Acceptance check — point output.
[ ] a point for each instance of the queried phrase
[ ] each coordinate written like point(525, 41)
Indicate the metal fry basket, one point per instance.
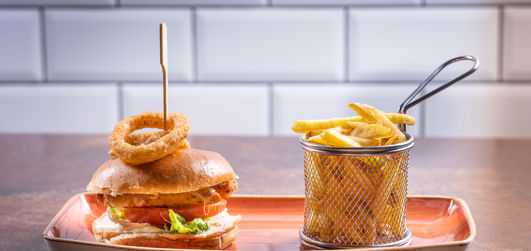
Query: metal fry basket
point(356, 196)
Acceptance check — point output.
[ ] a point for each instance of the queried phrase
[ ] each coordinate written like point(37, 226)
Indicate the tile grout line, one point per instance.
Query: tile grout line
point(346, 46)
point(195, 57)
point(120, 100)
point(501, 33)
point(271, 115)
point(119, 4)
point(44, 53)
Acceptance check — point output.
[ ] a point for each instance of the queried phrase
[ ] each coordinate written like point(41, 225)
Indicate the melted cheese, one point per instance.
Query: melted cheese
point(208, 196)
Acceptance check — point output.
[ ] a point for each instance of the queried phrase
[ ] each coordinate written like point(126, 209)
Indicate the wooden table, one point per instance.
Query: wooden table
point(39, 173)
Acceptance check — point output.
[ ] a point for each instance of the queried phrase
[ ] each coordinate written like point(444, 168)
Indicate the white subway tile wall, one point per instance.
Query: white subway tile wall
point(59, 2)
point(116, 44)
point(20, 45)
point(212, 109)
point(480, 110)
point(270, 44)
point(58, 109)
point(192, 2)
point(517, 43)
point(407, 44)
point(253, 67)
point(318, 101)
point(349, 2)
point(476, 1)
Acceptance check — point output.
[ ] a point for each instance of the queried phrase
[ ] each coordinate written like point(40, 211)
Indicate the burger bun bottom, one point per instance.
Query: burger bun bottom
point(220, 240)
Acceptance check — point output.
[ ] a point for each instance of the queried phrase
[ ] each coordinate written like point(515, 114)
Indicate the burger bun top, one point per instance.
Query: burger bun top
point(180, 172)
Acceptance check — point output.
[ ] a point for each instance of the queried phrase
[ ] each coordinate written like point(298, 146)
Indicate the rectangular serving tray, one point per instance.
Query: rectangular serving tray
point(273, 223)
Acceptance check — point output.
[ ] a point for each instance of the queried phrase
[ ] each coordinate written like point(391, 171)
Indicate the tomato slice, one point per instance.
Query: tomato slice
point(160, 215)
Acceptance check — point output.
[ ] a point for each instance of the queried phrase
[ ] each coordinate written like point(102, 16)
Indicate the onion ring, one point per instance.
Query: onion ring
point(147, 138)
point(151, 146)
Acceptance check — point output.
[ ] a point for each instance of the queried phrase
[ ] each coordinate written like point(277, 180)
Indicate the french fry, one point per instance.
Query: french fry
point(304, 126)
point(354, 125)
point(358, 182)
point(343, 129)
point(326, 228)
point(372, 114)
point(391, 224)
point(399, 118)
point(317, 139)
point(365, 141)
point(314, 133)
point(392, 140)
point(375, 131)
point(364, 232)
point(395, 208)
point(335, 138)
point(383, 190)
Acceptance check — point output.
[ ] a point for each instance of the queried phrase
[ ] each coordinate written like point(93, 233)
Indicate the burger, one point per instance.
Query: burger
point(178, 201)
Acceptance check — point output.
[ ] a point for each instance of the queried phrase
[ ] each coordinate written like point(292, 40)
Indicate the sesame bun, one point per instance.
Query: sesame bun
point(180, 172)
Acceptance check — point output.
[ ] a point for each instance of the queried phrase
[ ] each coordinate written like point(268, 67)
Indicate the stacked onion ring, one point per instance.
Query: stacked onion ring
point(146, 147)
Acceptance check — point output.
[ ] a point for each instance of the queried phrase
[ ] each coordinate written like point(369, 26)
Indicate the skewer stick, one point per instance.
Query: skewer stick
point(164, 64)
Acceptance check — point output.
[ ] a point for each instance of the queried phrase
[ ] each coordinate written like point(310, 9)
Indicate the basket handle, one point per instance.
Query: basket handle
point(409, 102)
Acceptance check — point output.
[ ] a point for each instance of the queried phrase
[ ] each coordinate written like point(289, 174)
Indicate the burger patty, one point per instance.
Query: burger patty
point(206, 195)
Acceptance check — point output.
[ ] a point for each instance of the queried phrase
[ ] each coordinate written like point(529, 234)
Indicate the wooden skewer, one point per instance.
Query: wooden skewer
point(164, 64)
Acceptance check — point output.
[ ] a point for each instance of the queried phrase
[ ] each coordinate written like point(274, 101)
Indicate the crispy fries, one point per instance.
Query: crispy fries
point(365, 141)
point(375, 131)
point(354, 125)
point(398, 118)
point(355, 199)
point(335, 138)
point(306, 126)
point(317, 139)
point(371, 128)
point(374, 115)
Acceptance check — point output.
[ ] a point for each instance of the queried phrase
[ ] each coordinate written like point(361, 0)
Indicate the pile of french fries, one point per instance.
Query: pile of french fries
point(356, 200)
point(371, 128)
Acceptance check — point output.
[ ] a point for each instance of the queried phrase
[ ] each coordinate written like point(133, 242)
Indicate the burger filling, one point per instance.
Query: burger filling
point(220, 223)
point(184, 213)
point(162, 215)
point(206, 195)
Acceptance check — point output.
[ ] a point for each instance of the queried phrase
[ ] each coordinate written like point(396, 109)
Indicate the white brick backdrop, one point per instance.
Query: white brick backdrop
point(252, 67)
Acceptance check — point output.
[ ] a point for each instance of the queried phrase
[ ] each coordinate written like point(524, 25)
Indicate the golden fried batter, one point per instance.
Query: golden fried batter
point(206, 195)
point(178, 127)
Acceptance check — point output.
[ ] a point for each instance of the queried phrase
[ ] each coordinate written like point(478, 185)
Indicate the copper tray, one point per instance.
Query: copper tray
point(273, 223)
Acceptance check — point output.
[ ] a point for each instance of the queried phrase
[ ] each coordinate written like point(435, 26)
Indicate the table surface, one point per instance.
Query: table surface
point(39, 173)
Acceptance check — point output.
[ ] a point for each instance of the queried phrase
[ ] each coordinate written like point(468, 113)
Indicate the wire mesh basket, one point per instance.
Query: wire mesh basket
point(355, 197)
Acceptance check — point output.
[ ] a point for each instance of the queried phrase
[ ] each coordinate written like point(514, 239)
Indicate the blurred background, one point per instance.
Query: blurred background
point(253, 67)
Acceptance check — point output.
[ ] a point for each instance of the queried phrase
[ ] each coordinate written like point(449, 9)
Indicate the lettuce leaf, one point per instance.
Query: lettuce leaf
point(117, 213)
point(179, 226)
point(198, 225)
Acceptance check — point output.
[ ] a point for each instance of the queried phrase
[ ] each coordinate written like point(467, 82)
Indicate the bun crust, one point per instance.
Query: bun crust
point(180, 172)
point(110, 234)
point(221, 241)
